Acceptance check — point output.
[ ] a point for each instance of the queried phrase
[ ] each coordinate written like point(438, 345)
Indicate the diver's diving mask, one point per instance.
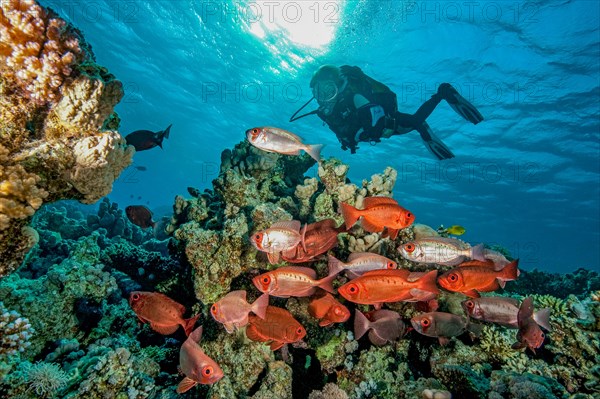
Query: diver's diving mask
point(326, 93)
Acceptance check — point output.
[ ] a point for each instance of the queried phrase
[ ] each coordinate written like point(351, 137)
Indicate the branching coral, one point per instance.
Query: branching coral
point(15, 332)
point(55, 104)
point(37, 51)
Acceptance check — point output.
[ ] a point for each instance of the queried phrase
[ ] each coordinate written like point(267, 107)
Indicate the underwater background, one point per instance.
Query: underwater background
point(525, 182)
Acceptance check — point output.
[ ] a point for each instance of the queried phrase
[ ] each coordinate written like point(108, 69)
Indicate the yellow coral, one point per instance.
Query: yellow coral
point(20, 196)
point(37, 51)
point(99, 161)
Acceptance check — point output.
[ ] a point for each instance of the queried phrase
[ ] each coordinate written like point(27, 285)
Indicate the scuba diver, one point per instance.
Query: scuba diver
point(357, 108)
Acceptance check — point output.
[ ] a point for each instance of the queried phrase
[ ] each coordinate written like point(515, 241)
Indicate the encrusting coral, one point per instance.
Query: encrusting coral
point(55, 105)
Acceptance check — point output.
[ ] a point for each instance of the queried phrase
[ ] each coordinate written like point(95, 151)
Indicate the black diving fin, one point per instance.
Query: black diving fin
point(460, 104)
point(433, 143)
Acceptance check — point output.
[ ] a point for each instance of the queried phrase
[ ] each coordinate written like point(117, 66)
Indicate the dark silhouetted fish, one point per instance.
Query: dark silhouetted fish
point(145, 139)
point(140, 216)
point(141, 168)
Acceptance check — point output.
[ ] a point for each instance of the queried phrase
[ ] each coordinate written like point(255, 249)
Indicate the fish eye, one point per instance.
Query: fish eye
point(409, 248)
point(453, 277)
point(352, 288)
point(470, 304)
point(300, 330)
point(391, 265)
point(337, 311)
point(208, 370)
point(135, 297)
point(257, 237)
point(255, 130)
point(408, 214)
point(266, 280)
point(542, 335)
point(425, 322)
point(213, 309)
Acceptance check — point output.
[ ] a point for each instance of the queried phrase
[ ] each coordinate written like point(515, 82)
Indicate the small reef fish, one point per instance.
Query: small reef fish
point(232, 310)
point(503, 311)
point(379, 286)
point(164, 314)
point(318, 238)
point(145, 139)
point(441, 251)
point(455, 230)
point(272, 139)
point(328, 310)
point(281, 236)
point(471, 280)
point(278, 327)
point(140, 216)
point(383, 325)
point(443, 325)
point(359, 263)
point(197, 367)
point(530, 335)
point(297, 281)
point(141, 168)
point(378, 213)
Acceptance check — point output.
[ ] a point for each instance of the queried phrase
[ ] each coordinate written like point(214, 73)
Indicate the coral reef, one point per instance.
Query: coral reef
point(54, 102)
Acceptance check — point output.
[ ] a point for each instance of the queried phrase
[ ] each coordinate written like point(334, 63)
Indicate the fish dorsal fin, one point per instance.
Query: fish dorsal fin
point(165, 299)
point(401, 273)
point(196, 335)
point(324, 224)
point(478, 263)
point(185, 385)
point(293, 225)
point(239, 294)
point(164, 330)
point(299, 269)
point(373, 201)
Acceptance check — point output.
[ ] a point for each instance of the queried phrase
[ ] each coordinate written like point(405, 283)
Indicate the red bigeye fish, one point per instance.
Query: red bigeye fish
point(197, 367)
point(359, 263)
point(140, 216)
point(383, 325)
point(278, 327)
point(329, 310)
point(471, 280)
point(146, 139)
point(281, 236)
point(378, 213)
point(379, 286)
point(441, 251)
point(294, 281)
point(530, 335)
point(164, 314)
point(272, 139)
point(232, 310)
point(318, 238)
point(503, 311)
point(443, 325)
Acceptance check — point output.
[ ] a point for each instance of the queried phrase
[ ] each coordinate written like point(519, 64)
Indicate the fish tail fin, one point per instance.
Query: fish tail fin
point(350, 214)
point(474, 329)
point(361, 324)
point(335, 265)
point(303, 237)
point(259, 307)
point(428, 282)
point(542, 318)
point(510, 272)
point(163, 135)
point(478, 252)
point(327, 283)
point(189, 324)
point(314, 151)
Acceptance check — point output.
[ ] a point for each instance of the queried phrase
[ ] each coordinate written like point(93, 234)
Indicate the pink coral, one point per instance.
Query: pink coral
point(37, 51)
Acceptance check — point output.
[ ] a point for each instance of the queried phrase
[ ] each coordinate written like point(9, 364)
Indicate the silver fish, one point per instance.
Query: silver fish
point(503, 311)
point(359, 263)
point(443, 325)
point(441, 251)
point(272, 139)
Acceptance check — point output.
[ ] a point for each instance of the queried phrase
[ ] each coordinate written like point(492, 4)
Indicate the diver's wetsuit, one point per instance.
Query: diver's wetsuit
point(368, 122)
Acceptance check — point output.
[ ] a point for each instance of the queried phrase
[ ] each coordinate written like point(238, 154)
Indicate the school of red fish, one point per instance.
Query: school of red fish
point(370, 279)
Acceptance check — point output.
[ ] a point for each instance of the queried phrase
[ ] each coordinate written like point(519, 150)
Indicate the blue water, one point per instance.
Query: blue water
point(526, 178)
